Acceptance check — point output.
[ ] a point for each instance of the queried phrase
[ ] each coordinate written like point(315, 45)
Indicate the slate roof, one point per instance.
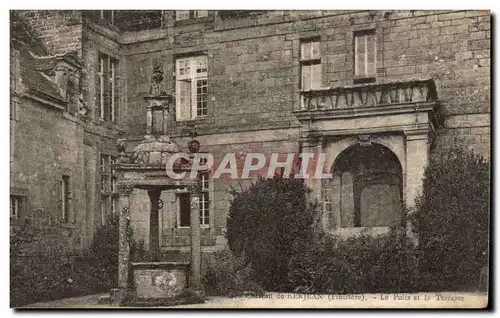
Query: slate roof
point(36, 72)
point(36, 67)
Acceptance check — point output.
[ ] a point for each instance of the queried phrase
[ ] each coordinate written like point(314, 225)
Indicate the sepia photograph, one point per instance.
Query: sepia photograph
point(335, 159)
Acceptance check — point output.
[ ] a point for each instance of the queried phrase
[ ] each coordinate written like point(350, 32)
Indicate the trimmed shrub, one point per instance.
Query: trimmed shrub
point(263, 223)
point(229, 275)
point(452, 219)
point(362, 264)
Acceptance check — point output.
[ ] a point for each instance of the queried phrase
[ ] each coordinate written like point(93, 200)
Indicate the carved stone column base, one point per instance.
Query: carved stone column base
point(197, 293)
point(117, 296)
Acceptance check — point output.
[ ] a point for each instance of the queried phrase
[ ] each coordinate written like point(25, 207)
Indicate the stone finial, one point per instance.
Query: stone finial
point(83, 109)
point(121, 145)
point(156, 86)
point(193, 146)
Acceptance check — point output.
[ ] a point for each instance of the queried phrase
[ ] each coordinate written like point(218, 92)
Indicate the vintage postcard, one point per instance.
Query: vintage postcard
point(250, 158)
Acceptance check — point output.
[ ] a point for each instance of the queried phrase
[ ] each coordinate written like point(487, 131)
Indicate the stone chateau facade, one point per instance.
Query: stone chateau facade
point(377, 91)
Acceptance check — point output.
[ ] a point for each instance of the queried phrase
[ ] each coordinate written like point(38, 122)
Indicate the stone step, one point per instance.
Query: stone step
point(104, 300)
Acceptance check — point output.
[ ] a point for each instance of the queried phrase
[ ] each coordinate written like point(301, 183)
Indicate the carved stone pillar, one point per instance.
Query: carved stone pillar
point(195, 279)
point(318, 182)
point(313, 145)
point(417, 152)
point(154, 229)
point(123, 243)
point(149, 120)
point(308, 147)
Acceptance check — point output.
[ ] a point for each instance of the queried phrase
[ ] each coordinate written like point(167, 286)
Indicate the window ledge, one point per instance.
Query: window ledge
point(188, 227)
point(68, 225)
point(193, 21)
point(358, 231)
point(193, 120)
point(364, 79)
point(17, 221)
point(310, 61)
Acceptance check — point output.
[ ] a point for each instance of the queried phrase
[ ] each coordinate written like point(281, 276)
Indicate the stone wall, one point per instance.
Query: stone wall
point(253, 62)
point(47, 143)
point(253, 72)
point(60, 30)
point(48, 146)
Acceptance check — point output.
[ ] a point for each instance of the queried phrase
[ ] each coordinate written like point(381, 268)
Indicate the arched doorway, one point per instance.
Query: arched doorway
point(365, 191)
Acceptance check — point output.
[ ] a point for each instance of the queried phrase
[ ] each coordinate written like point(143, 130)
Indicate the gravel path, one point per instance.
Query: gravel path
point(289, 300)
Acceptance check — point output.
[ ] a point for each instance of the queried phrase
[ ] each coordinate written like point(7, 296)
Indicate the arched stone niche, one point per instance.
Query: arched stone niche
point(366, 193)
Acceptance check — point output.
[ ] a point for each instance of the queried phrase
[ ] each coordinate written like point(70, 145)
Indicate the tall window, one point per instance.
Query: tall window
point(184, 208)
point(191, 87)
point(109, 196)
point(365, 54)
point(200, 13)
point(64, 201)
point(184, 216)
point(205, 200)
point(310, 65)
point(190, 14)
point(107, 88)
point(15, 206)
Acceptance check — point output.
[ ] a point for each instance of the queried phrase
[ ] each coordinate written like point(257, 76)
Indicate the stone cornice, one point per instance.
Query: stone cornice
point(370, 95)
point(387, 109)
point(45, 99)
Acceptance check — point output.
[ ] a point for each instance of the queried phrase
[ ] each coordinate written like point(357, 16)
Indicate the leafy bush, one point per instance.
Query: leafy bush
point(138, 252)
point(452, 219)
point(102, 257)
point(42, 269)
point(229, 275)
point(39, 272)
point(363, 264)
point(263, 223)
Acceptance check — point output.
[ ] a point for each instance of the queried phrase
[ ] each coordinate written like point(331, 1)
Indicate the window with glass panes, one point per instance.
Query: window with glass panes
point(184, 206)
point(109, 195)
point(310, 65)
point(365, 54)
point(191, 88)
point(107, 88)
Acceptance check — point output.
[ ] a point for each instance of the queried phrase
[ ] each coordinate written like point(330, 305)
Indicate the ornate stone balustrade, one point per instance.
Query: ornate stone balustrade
point(370, 95)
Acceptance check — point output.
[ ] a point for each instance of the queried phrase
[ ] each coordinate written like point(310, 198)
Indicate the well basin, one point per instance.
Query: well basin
point(160, 280)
